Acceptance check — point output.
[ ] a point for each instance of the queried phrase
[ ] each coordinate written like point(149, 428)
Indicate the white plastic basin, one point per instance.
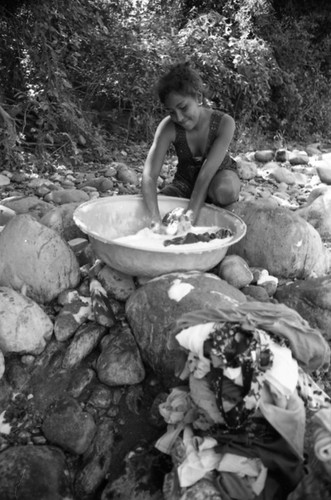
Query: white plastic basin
point(105, 219)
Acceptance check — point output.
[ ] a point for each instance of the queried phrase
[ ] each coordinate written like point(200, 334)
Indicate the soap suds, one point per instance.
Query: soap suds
point(146, 239)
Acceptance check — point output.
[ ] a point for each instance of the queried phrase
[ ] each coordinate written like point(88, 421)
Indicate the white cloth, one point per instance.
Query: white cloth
point(177, 404)
point(200, 458)
point(192, 339)
point(177, 411)
point(283, 374)
point(251, 468)
point(234, 374)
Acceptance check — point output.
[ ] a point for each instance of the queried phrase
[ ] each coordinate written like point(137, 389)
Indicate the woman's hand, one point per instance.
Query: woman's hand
point(157, 227)
point(178, 221)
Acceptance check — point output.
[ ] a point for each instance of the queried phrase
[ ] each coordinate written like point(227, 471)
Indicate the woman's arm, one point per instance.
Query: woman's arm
point(164, 135)
point(209, 168)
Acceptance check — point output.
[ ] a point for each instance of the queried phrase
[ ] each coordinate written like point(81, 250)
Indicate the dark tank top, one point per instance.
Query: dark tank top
point(189, 166)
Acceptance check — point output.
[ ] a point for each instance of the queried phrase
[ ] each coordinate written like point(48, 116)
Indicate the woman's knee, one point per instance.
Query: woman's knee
point(225, 189)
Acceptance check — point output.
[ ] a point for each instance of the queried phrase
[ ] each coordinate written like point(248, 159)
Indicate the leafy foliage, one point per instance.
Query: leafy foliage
point(76, 74)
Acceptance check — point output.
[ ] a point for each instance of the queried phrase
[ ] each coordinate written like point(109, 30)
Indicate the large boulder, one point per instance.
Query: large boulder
point(34, 472)
point(311, 298)
point(153, 309)
point(280, 241)
point(60, 219)
point(36, 259)
point(24, 326)
point(6, 214)
point(317, 212)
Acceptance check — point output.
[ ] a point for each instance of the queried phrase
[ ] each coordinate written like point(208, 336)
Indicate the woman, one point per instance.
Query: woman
point(201, 137)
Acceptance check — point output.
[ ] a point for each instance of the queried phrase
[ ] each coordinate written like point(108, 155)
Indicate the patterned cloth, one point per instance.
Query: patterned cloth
point(307, 344)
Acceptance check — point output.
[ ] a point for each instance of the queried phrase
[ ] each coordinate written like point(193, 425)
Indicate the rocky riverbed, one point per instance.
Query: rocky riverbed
point(85, 361)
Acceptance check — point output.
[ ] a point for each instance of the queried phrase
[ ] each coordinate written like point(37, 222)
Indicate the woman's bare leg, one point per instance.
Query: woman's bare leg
point(224, 188)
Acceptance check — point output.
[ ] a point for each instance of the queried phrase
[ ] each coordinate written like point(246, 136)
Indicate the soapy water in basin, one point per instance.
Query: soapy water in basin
point(146, 239)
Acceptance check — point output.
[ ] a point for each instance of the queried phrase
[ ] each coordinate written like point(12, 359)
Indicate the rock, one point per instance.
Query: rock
point(298, 158)
point(282, 174)
point(301, 179)
point(68, 426)
point(71, 317)
point(282, 155)
point(6, 214)
point(42, 191)
point(282, 201)
point(80, 381)
point(27, 205)
point(313, 149)
point(116, 284)
point(4, 180)
point(24, 326)
point(102, 310)
point(110, 171)
point(311, 298)
point(2, 364)
point(67, 297)
point(281, 193)
point(120, 362)
point(39, 182)
point(68, 184)
point(126, 175)
point(86, 256)
point(60, 219)
point(323, 169)
point(19, 177)
point(63, 196)
point(256, 292)
point(152, 311)
point(86, 338)
point(34, 472)
point(17, 374)
point(280, 241)
point(77, 245)
point(270, 286)
point(246, 169)
point(97, 460)
point(89, 190)
point(6, 392)
point(316, 192)
point(101, 397)
point(317, 213)
point(264, 156)
point(235, 271)
point(36, 258)
point(259, 274)
point(102, 184)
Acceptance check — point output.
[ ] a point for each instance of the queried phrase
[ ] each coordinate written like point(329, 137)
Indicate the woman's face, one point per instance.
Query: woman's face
point(183, 109)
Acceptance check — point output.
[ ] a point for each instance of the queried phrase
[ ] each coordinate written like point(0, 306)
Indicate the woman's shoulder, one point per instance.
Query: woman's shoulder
point(219, 113)
point(166, 128)
point(222, 119)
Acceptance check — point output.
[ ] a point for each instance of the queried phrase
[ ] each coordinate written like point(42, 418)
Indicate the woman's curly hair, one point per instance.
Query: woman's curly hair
point(180, 78)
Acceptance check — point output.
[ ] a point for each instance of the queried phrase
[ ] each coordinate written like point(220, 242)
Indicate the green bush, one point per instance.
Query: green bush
point(74, 74)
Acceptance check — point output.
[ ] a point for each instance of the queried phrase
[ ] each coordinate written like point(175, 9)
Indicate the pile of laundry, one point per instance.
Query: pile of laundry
point(236, 427)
